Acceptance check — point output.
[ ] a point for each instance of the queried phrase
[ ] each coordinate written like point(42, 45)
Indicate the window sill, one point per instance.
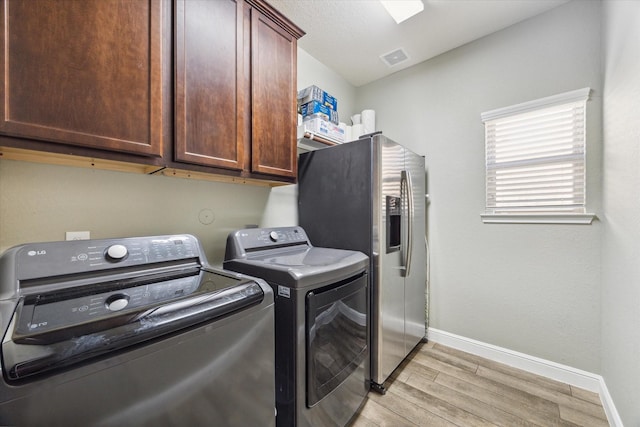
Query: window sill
point(560, 218)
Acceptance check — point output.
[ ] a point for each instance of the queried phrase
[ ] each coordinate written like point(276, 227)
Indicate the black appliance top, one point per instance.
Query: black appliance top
point(285, 256)
point(66, 302)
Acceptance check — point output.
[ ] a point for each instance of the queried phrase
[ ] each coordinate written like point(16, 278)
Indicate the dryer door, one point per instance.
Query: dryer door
point(336, 335)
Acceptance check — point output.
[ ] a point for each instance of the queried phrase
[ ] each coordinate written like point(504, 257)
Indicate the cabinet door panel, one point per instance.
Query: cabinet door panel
point(273, 84)
point(209, 86)
point(86, 73)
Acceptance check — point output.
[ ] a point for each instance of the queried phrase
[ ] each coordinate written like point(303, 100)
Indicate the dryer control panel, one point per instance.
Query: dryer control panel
point(254, 239)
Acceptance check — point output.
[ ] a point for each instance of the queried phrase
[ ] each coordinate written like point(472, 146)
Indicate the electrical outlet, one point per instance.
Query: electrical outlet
point(78, 235)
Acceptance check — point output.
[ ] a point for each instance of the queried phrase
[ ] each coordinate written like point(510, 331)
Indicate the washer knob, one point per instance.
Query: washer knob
point(117, 302)
point(274, 236)
point(117, 252)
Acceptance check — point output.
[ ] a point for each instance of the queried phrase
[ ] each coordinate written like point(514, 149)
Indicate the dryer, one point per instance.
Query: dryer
point(321, 321)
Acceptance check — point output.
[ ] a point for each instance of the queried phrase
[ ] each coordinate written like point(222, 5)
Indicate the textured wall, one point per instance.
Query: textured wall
point(41, 202)
point(529, 288)
point(621, 189)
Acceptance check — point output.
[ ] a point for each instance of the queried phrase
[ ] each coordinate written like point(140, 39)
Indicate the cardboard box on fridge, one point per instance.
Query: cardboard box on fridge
point(314, 93)
point(315, 109)
point(322, 127)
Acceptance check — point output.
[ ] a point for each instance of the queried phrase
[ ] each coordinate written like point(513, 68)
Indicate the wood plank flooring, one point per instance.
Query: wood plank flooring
point(441, 386)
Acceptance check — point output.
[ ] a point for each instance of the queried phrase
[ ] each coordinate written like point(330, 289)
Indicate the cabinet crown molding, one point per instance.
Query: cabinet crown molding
point(284, 22)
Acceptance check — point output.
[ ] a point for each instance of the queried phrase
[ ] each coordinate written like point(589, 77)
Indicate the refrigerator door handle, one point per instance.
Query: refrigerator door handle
point(406, 183)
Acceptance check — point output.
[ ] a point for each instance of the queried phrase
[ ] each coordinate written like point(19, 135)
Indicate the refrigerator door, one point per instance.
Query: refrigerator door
point(416, 272)
point(388, 329)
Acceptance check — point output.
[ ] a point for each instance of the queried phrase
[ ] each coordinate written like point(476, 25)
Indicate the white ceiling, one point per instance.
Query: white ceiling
point(349, 36)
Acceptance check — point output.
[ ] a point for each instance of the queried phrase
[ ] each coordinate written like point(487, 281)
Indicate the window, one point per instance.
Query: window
point(535, 161)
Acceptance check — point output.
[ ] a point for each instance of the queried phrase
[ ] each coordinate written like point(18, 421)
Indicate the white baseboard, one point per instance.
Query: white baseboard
point(609, 407)
point(535, 365)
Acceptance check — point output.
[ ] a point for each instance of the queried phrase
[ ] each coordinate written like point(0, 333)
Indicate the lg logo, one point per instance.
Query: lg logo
point(34, 253)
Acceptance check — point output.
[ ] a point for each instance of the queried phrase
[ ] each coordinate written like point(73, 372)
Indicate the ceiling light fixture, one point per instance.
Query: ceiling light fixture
point(401, 10)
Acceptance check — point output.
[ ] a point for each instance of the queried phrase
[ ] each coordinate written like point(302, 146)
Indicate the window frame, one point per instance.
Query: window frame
point(521, 216)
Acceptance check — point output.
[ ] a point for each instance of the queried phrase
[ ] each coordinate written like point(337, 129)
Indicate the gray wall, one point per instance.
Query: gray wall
point(529, 288)
point(621, 243)
point(40, 202)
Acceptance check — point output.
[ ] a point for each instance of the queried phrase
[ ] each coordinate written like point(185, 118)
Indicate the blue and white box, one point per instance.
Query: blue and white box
point(314, 93)
point(316, 109)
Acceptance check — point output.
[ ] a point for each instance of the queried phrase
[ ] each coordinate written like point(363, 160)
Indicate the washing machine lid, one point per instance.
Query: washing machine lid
point(64, 303)
point(289, 259)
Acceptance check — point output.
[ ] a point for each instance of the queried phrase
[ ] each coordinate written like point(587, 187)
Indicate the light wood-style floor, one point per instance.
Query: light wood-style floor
point(440, 386)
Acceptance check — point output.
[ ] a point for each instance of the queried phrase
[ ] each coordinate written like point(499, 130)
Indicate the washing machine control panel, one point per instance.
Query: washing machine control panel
point(51, 259)
point(73, 284)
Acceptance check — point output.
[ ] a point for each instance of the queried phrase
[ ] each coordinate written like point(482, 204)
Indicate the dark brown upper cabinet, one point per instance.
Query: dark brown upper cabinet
point(236, 87)
point(86, 73)
point(94, 78)
point(273, 94)
point(210, 89)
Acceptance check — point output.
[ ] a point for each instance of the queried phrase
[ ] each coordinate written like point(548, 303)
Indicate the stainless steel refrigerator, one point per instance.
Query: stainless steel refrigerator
point(369, 195)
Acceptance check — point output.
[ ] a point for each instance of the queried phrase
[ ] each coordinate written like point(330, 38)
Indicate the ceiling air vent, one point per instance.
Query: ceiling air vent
point(394, 57)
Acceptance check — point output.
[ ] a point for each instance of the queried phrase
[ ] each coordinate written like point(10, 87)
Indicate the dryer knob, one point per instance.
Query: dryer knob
point(274, 236)
point(117, 252)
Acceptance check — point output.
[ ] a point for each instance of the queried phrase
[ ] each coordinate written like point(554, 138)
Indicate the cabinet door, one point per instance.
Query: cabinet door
point(209, 83)
point(86, 73)
point(273, 97)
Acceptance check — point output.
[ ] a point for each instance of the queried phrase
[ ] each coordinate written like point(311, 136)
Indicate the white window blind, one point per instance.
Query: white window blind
point(535, 156)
